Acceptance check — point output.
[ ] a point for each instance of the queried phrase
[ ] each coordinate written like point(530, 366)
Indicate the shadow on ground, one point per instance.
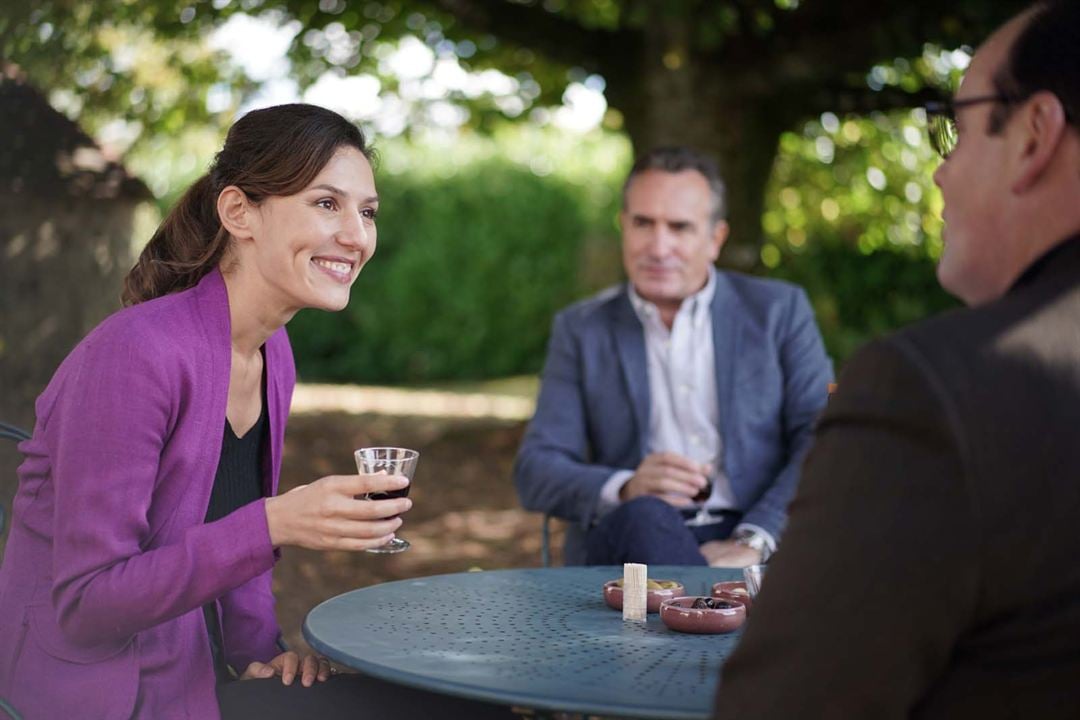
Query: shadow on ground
point(465, 513)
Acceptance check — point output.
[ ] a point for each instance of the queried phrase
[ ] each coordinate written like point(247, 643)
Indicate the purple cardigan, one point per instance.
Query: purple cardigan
point(109, 561)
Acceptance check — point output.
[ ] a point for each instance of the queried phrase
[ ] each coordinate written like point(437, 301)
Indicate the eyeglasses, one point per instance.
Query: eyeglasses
point(941, 120)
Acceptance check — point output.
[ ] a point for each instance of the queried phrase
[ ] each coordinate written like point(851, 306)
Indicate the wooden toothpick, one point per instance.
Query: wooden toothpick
point(635, 576)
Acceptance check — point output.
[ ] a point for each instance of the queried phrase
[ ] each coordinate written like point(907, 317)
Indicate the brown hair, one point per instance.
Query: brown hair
point(276, 151)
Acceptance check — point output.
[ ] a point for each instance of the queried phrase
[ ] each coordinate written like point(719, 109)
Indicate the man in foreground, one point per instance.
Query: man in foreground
point(930, 567)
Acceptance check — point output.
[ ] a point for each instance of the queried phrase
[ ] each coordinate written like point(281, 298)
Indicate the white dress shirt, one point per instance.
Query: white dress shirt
point(684, 415)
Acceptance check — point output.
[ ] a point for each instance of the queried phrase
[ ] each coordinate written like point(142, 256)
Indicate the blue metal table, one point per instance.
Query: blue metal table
point(538, 638)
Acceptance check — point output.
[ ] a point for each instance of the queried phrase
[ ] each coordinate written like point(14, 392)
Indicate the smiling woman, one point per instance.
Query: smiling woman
point(286, 158)
point(307, 248)
point(136, 581)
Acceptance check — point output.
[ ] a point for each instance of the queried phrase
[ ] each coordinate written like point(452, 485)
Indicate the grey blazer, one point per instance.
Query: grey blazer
point(592, 415)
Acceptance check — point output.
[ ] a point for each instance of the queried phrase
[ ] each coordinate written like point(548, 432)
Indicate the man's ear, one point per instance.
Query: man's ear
point(1041, 125)
point(235, 212)
point(720, 233)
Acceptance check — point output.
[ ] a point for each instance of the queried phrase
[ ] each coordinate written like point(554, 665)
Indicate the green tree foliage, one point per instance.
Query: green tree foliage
point(853, 216)
point(728, 76)
point(118, 60)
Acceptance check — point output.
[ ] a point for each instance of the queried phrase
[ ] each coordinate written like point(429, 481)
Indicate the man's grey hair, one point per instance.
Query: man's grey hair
point(676, 159)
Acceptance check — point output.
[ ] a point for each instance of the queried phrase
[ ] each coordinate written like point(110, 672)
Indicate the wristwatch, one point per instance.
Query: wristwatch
point(754, 540)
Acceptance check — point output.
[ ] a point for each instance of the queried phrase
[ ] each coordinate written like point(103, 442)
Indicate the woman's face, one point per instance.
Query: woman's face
point(309, 247)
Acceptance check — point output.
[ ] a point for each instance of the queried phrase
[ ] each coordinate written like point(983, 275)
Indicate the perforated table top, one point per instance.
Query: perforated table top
point(538, 638)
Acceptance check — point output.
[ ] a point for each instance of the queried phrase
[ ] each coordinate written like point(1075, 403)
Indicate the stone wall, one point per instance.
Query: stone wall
point(62, 263)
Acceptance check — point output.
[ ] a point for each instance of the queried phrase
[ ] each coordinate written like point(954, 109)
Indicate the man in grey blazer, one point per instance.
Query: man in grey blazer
point(930, 568)
point(687, 382)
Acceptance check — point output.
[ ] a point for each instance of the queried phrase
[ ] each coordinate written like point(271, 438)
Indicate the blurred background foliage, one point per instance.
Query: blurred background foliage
point(493, 216)
point(853, 216)
point(727, 76)
point(480, 243)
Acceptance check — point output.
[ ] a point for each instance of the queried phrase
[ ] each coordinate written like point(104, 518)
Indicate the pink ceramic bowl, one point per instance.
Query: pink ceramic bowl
point(733, 590)
point(678, 615)
point(653, 598)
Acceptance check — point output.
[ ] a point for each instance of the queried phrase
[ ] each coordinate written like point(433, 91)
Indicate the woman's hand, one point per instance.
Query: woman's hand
point(326, 515)
point(286, 665)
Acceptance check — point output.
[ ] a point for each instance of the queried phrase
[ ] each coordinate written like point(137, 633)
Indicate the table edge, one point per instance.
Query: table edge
point(472, 692)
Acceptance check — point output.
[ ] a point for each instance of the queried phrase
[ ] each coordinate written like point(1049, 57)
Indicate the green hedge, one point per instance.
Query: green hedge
point(860, 296)
point(468, 272)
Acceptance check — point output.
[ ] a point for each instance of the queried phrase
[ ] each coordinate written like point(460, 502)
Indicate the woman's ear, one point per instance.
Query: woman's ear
point(235, 212)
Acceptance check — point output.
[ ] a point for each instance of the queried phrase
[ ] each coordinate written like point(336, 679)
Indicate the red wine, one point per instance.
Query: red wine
point(403, 492)
point(704, 493)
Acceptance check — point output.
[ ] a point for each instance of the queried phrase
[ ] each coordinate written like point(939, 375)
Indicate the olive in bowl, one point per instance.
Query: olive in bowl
point(703, 615)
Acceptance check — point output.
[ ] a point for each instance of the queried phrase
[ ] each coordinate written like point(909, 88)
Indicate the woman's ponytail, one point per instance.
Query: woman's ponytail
point(187, 245)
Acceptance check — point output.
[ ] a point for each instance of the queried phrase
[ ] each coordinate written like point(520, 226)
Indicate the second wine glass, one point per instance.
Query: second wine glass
point(703, 517)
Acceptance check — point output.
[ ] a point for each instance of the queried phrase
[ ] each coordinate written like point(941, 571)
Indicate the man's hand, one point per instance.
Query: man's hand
point(728, 553)
point(669, 476)
point(286, 665)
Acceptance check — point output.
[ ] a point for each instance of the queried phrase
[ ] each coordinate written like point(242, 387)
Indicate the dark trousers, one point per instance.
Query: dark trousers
point(346, 697)
point(649, 530)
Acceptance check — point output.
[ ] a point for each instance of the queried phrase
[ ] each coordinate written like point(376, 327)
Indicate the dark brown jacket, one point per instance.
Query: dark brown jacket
point(932, 564)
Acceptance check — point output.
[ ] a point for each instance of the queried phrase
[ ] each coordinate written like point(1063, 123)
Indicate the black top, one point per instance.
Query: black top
point(239, 476)
point(239, 481)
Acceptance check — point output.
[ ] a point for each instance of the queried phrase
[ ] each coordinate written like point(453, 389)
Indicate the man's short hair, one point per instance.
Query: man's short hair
point(1044, 56)
point(677, 159)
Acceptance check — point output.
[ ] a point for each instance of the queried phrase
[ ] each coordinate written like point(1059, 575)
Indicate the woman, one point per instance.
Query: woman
point(136, 579)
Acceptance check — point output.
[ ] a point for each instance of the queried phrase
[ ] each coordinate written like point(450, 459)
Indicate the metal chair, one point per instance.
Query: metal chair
point(10, 432)
point(546, 538)
point(9, 711)
point(545, 541)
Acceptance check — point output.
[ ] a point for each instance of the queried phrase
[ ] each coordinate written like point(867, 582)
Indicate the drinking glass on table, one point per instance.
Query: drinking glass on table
point(392, 461)
point(754, 575)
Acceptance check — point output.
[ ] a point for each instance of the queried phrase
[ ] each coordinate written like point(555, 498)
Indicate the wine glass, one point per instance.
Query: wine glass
point(703, 517)
point(392, 461)
point(754, 575)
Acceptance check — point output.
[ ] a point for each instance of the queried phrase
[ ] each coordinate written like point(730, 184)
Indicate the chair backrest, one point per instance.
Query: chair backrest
point(10, 432)
point(545, 541)
point(552, 532)
point(8, 710)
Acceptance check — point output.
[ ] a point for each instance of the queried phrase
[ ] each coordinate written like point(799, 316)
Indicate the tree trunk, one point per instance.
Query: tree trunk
point(666, 99)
